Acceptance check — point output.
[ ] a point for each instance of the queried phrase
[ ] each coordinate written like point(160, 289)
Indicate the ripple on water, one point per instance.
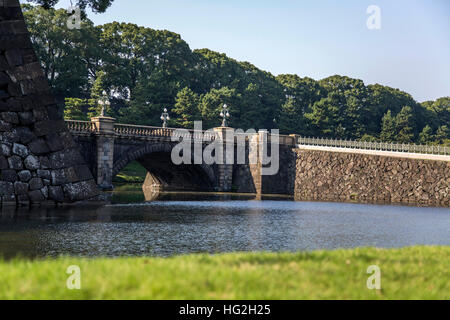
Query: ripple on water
point(165, 228)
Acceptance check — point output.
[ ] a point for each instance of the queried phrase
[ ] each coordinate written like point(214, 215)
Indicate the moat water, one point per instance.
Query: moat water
point(167, 224)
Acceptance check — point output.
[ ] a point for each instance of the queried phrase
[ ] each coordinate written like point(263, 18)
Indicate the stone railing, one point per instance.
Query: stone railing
point(381, 146)
point(128, 130)
point(141, 131)
point(77, 126)
point(148, 131)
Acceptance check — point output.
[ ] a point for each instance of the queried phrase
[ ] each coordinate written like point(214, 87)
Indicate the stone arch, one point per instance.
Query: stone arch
point(155, 157)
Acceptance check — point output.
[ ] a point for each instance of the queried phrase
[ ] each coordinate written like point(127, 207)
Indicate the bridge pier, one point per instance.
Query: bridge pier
point(105, 137)
point(255, 161)
point(225, 136)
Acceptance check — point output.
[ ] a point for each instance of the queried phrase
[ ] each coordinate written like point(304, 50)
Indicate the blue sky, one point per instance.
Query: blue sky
point(316, 38)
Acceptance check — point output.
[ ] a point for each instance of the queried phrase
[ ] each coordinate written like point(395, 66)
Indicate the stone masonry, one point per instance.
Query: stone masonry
point(338, 176)
point(39, 160)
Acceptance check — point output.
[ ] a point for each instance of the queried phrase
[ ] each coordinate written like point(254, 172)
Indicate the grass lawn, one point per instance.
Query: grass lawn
point(408, 273)
point(133, 173)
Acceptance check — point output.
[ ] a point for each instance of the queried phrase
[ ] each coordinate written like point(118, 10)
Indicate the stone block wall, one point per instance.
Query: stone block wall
point(39, 160)
point(336, 176)
point(283, 181)
point(248, 178)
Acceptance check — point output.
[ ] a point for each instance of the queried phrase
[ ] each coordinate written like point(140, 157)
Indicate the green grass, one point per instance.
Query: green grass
point(133, 173)
point(408, 273)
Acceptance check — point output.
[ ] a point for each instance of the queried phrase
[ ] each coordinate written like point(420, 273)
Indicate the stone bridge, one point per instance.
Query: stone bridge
point(40, 161)
point(316, 169)
point(108, 147)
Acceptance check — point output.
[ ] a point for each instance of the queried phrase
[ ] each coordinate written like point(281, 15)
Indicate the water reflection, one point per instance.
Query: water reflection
point(171, 223)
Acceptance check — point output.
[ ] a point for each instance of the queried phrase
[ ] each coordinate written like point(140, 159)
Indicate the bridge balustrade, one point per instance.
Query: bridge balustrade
point(77, 126)
point(381, 146)
point(128, 130)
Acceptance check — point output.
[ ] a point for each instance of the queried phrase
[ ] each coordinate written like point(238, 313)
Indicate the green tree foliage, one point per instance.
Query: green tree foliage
point(383, 98)
point(438, 111)
point(326, 116)
point(99, 95)
point(426, 136)
point(300, 94)
point(399, 128)
point(388, 129)
point(143, 71)
point(75, 109)
point(368, 138)
point(65, 55)
point(443, 135)
point(404, 122)
point(212, 103)
point(344, 111)
point(95, 5)
point(187, 108)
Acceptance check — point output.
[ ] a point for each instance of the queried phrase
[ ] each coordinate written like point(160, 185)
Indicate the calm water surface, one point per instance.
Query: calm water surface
point(171, 224)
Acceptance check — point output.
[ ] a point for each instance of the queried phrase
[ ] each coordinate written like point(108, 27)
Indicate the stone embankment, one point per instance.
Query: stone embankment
point(339, 176)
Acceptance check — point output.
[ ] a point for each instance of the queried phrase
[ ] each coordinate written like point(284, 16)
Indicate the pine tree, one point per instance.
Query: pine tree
point(97, 94)
point(426, 136)
point(73, 109)
point(404, 122)
point(443, 135)
point(186, 108)
point(388, 128)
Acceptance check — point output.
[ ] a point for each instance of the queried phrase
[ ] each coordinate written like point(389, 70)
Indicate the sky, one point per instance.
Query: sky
point(315, 38)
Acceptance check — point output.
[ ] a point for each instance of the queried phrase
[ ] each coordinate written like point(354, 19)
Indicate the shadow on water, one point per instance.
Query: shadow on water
point(135, 194)
point(163, 224)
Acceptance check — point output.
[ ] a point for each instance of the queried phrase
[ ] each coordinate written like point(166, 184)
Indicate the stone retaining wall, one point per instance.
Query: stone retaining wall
point(39, 160)
point(336, 176)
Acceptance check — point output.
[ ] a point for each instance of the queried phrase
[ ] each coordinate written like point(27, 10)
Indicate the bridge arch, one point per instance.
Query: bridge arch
point(156, 159)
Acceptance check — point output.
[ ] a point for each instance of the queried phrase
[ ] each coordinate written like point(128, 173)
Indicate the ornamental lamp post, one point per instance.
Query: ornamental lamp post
point(165, 117)
point(224, 114)
point(104, 102)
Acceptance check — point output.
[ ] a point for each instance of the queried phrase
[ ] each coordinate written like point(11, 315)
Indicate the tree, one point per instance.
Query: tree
point(426, 136)
point(144, 68)
point(95, 5)
point(368, 138)
point(211, 105)
point(381, 99)
point(99, 92)
point(326, 116)
point(388, 128)
point(67, 56)
point(355, 115)
point(187, 108)
point(260, 95)
point(74, 109)
point(439, 111)
point(404, 122)
point(443, 135)
point(300, 95)
point(290, 120)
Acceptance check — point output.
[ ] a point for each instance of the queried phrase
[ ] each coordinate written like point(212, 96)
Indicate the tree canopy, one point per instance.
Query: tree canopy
point(143, 71)
point(95, 5)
